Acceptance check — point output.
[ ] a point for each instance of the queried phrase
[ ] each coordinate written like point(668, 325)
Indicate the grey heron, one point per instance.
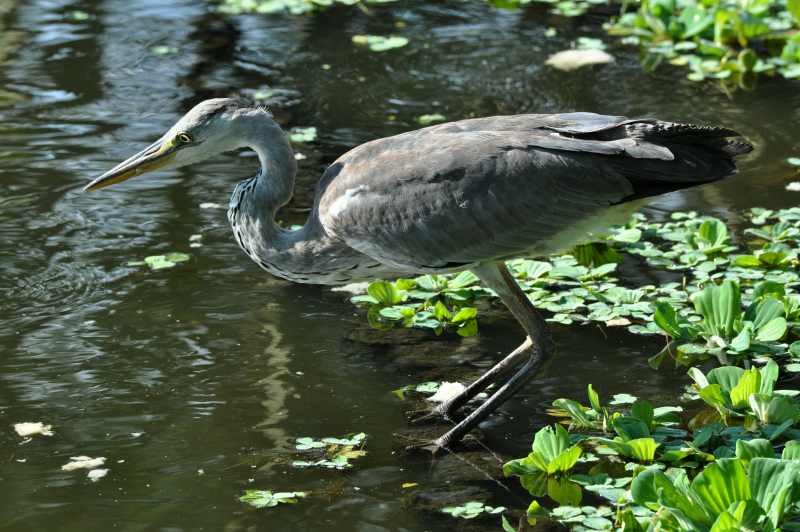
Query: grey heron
point(465, 195)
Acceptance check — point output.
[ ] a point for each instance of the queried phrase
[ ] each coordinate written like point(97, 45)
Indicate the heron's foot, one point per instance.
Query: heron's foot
point(437, 413)
point(432, 448)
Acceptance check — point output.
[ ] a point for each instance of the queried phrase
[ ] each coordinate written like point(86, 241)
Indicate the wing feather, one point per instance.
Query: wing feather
point(492, 188)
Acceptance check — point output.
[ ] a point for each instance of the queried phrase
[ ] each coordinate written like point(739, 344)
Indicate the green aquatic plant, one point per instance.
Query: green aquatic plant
point(729, 494)
point(687, 241)
point(724, 326)
point(660, 473)
point(747, 394)
point(552, 453)
point(716, 39)
point(633, 433)
point(779, 232)
point(431, 301)
point(472, 509)
point(336, 452)
point(268, 499)
point(639, 417)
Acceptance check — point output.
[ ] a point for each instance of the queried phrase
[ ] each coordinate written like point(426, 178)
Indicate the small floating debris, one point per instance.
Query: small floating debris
point(78, 15)
point(379, 43)
point(299, 157)
point(276, 97)
point(96, 474)
point(161, 262)
point(163, 50)
point(268, 499)
point(83, 462)
point(794, 161)
point(425, 120)
point(211, 205)
point(31, 428)
point(794, 186)
point(446, 391)
point(352, 288)
point(569, 60)
point(303, 134)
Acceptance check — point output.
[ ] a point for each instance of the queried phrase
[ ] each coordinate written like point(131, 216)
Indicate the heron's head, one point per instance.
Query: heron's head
point(206, 130)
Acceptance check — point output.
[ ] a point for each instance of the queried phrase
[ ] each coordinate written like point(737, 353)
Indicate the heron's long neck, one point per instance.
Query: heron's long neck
point(305, 255)
point(274, 184)
point(255, 202)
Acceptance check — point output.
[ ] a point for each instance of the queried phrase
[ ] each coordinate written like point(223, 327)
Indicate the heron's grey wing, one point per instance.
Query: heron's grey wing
point(486, 189)
point(465, 198)
point(571, 123)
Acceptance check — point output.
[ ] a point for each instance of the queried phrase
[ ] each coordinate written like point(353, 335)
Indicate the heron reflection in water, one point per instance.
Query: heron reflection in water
point(464, 195)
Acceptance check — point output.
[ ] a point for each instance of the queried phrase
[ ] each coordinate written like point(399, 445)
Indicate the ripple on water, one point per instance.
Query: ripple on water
point(213, 365)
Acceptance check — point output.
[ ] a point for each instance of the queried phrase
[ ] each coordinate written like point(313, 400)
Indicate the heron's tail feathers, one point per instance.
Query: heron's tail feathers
point(700, 154)
point(720, 139)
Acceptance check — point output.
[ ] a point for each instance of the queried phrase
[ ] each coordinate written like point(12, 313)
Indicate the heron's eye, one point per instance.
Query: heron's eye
point(184, 138)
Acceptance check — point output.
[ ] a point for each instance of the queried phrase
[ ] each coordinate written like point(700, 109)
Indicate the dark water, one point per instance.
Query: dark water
point(192, 382)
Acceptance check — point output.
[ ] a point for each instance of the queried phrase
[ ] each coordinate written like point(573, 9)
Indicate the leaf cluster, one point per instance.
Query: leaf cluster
point(717, 39)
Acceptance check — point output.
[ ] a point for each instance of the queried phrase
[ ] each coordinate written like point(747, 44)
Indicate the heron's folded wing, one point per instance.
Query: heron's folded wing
point(450, 198)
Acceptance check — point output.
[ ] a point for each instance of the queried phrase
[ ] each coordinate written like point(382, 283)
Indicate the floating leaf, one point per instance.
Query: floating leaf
point(378, 43)
point(622, 399)
point(472, 509)
point(268, 499)
point(303, 134)
point(426, 120)
point(163, 50)
point(177, 257)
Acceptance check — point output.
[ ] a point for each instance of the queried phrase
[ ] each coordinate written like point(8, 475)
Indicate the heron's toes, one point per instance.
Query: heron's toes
point(432, 448)
point(420, 417)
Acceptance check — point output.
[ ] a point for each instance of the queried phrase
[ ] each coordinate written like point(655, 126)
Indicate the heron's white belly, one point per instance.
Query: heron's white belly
point(582, 229)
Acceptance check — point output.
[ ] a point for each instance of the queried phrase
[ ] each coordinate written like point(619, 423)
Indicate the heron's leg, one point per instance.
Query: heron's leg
point(511, 361)
point(535, 350)
point(497, 277)
point(449, 407)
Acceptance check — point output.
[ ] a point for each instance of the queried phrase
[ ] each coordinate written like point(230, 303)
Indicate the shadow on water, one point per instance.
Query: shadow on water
point(193, 381)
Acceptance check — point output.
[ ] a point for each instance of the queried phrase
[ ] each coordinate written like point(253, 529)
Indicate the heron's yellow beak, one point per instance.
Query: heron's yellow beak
point(151, 158)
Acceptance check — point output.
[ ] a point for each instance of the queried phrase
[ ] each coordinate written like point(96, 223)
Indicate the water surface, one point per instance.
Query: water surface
point(194, 381)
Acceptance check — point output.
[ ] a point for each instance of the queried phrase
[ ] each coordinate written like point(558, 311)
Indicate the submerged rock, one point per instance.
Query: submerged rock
point(568, 60)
